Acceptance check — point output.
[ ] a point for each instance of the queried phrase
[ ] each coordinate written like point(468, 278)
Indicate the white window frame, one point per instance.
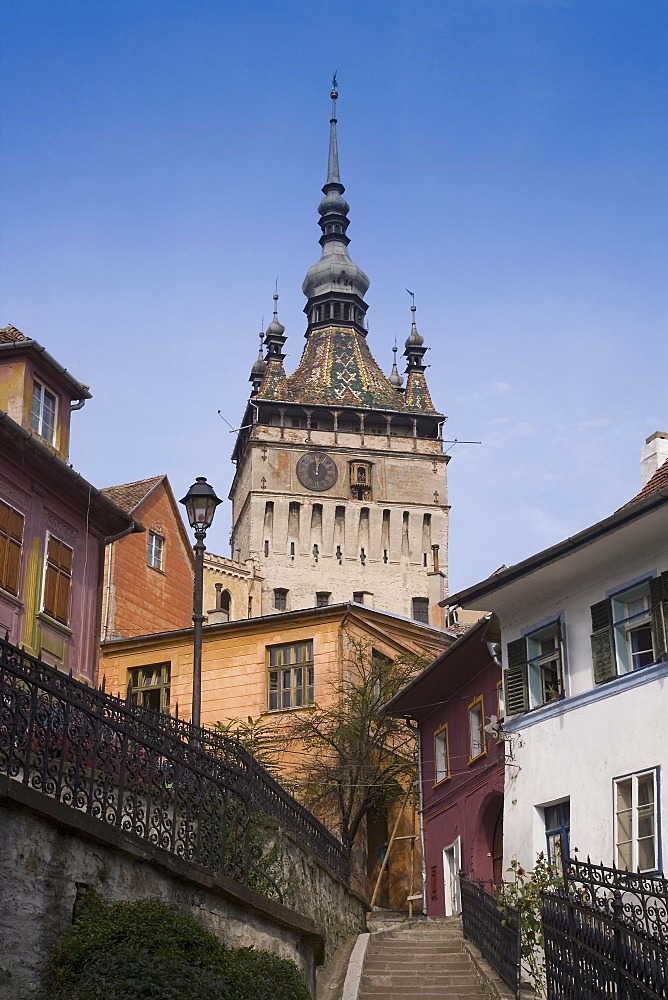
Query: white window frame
point(441, 755)
point(155, 550)
point(540, 661)
point(39, 389)
point(625, 625)
point(477, 722)
point(635, 810)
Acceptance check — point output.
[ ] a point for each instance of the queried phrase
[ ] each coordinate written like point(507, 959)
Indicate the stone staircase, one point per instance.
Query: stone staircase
point(422, 960)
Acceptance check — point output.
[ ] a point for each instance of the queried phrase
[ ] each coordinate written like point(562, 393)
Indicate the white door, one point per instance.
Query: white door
point(452, 857)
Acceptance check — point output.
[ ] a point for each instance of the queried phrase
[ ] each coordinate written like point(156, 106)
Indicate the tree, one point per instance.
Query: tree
point(353, 759)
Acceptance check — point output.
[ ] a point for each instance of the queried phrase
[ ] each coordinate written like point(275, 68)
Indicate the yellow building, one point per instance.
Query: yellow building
point(271, 666)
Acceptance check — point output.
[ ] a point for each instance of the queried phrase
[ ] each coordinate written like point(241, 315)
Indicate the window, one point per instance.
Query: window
point(421, 609)
point(280, 599)
point(150, 686)
point(557, 830)
point(43, 414)
point(322, 598)
point(360, 480)
point(441, 755)
point(155, 547)
point(476, 731)
point(635, 822)
point(11, 540)
point(630, 629)
point(57, 580)
point(291, 675)
point(534, 671)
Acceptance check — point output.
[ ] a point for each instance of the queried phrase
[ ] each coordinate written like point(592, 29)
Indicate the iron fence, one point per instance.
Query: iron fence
point(494, 928)
point(192, 792)
point(606, 935)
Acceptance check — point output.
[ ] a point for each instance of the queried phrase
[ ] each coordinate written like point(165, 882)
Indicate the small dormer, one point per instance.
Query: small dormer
point(36, 392)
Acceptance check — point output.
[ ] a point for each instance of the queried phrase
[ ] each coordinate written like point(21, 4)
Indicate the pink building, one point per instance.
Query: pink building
point(53, 524)
point(461, 764)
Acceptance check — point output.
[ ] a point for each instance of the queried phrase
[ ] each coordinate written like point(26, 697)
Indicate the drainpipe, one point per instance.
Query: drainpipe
point(79, 405)
point(134, 528)
point(416, 730)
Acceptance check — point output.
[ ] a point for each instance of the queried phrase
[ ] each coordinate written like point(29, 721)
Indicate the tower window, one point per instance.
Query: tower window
point(360, 481)
point(322, 598)
point(421, 609)
point(266, 547)
point(280, 599)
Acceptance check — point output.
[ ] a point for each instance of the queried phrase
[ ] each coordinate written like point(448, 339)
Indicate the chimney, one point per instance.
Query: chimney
point(653, 454)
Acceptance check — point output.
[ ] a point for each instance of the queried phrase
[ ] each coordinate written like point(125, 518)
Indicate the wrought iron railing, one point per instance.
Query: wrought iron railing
point(189, 791)
point(606, 935)
point(494, 928)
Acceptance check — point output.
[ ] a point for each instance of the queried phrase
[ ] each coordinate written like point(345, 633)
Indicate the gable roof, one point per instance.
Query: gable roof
point(10, 335)
point(447, 673)
point(659, 481)
point(128, 496)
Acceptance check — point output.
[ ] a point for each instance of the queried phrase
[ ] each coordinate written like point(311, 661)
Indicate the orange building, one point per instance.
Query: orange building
point(148, 578)
point(269, 666)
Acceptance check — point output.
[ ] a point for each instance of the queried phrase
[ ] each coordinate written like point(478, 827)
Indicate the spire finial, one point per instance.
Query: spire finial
point(333, 161)
point(395, 378)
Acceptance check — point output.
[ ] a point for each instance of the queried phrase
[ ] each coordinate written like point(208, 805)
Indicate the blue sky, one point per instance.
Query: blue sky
point(504, 159)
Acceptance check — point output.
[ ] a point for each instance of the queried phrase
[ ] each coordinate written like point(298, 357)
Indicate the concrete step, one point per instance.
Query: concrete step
point(419, 962)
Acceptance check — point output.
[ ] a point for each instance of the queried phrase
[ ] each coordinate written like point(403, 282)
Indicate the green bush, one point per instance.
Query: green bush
point(151, 951)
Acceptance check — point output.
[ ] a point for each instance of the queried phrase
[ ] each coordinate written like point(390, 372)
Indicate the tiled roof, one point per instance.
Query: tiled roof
point(658, 481)
point(337, 368)
point(9, 335)
point(129, 495)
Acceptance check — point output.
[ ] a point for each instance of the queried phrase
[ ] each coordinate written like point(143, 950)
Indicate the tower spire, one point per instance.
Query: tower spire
point(335, 286)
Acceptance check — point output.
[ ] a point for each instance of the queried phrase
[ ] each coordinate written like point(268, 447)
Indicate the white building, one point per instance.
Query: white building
point(584, 629)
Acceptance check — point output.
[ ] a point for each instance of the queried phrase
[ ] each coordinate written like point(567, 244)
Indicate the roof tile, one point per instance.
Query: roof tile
point(128, 496)
point(658, 481)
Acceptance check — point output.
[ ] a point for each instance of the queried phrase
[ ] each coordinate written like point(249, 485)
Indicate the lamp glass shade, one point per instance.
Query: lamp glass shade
point(200, 502)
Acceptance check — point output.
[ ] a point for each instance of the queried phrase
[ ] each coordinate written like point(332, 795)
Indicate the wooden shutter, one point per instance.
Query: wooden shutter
point(516, 687)
point(11, 540)
point(58, 579)
point(602, 645)
point(658, 598)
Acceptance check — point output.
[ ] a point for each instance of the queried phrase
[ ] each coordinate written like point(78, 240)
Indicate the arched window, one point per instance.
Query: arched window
point(226, 605)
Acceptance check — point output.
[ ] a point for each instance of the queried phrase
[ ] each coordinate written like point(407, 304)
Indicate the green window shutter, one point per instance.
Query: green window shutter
point(602, 646)
point(658, 597)
point(515, 683)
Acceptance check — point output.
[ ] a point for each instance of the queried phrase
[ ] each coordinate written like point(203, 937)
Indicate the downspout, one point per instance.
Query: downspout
point(416, 729)
point(79, 405)
point(134, 528)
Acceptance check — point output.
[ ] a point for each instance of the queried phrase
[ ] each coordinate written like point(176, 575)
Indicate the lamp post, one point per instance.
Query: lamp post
point(200, 503)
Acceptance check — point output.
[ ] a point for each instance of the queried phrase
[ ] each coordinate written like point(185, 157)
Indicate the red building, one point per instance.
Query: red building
point(53, 524)
point(461, 764)
point(148, 583)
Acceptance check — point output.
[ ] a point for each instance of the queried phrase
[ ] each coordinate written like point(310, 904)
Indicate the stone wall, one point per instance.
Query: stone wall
point(47, 850)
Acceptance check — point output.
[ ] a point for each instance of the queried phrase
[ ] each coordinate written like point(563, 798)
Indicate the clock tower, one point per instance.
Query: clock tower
point(340, 487)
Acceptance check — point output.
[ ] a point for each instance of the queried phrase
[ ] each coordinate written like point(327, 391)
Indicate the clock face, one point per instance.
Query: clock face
point(317, 471)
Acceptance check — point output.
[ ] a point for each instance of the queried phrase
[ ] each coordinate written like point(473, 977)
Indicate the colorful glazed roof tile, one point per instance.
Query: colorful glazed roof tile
point(417, 393)
point(337, 367)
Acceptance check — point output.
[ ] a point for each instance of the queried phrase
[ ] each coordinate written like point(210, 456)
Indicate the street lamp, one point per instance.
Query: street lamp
point(200, 503)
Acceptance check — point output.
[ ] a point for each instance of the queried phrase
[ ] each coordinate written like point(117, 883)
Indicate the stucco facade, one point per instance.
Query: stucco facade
point(53, 524)
point(461, 766)
point(584, 633)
